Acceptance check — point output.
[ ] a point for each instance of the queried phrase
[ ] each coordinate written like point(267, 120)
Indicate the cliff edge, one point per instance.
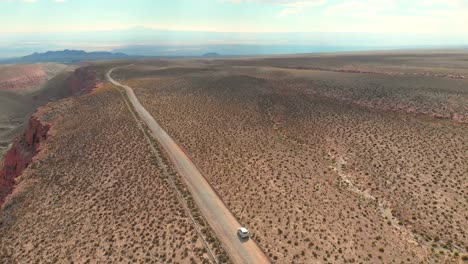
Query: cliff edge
point(20, 155)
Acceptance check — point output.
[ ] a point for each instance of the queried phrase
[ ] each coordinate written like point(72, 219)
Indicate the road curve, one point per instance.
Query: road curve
point(218, 216)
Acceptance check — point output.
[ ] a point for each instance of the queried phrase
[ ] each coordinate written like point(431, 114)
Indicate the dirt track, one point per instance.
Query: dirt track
point(220, 219)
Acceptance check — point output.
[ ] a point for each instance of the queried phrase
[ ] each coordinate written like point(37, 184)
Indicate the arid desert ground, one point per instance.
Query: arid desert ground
point(332, 158)
point(23, 88)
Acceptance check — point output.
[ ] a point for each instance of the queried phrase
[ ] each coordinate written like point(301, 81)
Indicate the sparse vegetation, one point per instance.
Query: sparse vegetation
point(324, 159)
point(270, 139)
point(97, 193)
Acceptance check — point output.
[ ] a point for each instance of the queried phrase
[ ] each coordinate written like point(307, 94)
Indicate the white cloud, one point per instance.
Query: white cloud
point(290, 6)
point(428, 16)
point(441, 3)
point(288, 11)
point(294, 7)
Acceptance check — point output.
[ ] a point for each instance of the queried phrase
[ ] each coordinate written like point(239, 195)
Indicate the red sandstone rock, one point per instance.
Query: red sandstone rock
point(20, 155)
point(25, 146)
point(82, 81)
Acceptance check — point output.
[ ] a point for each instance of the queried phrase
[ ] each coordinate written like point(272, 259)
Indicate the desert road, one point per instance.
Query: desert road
point(218, 216)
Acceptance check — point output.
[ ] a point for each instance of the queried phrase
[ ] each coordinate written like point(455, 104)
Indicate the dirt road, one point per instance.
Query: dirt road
point(213, 209)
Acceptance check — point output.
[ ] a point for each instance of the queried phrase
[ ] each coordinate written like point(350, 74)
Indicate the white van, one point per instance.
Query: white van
point(243, 233)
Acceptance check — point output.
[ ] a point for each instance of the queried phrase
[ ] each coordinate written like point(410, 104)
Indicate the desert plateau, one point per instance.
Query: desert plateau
point(358, 157)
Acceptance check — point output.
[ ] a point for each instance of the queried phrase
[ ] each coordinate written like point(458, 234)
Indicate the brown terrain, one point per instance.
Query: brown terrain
point(97, 191)
point(25, 78)
point(350, 158)
point(15, 118)
point(23, 88)
point(322, 165)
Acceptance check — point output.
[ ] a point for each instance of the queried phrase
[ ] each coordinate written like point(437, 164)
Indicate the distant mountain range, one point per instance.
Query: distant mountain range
point(211, 55)
point(66, 56)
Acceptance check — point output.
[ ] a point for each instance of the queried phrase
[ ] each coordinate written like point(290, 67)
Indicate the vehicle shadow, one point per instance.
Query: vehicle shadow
point(243, 239)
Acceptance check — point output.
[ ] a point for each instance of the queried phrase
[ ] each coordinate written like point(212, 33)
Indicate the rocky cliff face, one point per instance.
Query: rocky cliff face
point(20, 155)
point(26, 145)
point(83, 80)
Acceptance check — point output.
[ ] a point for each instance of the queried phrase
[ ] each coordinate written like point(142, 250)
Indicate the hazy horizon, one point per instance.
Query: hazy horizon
point(231, 27)
point(150, 42)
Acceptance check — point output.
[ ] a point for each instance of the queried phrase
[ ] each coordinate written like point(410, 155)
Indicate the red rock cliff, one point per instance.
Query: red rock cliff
point(20, 155)
point(25, 146)
point(83, 80)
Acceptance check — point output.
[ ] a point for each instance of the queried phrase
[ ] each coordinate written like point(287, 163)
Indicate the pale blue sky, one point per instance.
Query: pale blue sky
point(417, 16)
point(110, 24)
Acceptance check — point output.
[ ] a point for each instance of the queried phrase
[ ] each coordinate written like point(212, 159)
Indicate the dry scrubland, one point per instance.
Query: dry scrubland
point(24, 87)
point(26, 78)
point(318, 163)
point(97, 193)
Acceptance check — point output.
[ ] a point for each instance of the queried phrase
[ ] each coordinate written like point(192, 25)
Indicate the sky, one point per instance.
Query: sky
point(409, 22)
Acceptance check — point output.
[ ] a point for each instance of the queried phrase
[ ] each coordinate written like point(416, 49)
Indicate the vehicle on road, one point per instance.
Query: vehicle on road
point(211, 206)
point(243, 232)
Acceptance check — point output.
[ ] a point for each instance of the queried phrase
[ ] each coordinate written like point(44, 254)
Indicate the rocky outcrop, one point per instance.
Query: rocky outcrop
point(20, 78)
point(26, 145)
point(20, 155)
point(23, 82)
point(83, 80)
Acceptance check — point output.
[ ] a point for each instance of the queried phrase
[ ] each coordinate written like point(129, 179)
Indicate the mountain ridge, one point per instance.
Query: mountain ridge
point(67, 56)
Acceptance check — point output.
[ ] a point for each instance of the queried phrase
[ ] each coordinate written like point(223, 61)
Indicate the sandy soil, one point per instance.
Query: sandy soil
point(98, 193)
point(354, 158)
point(221, 220)
point(322, 165)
